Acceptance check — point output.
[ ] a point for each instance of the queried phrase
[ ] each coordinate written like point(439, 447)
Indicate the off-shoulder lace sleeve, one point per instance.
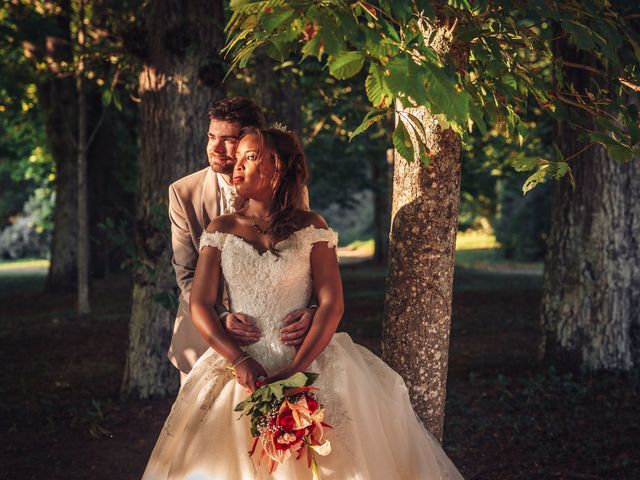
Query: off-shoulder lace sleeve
point(315, 235)
point(212, 239)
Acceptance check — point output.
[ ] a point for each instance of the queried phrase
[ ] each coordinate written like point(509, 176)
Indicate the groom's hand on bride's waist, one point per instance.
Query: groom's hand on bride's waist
point(297, 326)
point(241, 328)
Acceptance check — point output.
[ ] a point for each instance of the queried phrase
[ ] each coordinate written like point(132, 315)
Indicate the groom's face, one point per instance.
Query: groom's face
point(222, 144)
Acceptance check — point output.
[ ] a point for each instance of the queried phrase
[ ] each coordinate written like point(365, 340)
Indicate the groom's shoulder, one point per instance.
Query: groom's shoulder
point(189, 183)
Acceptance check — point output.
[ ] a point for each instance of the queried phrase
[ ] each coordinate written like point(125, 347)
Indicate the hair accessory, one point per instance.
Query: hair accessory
point(281, 126)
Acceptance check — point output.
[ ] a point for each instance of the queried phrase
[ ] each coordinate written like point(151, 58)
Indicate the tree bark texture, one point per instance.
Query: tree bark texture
point(420, 279)
point(58, 100)
point(57, 96)
point(591, 300)
point(424, 224)
point(83, 256)
point(181, 77)
point(277, 92)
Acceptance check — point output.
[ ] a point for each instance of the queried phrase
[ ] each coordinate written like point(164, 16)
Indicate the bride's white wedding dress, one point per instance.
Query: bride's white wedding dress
point(375, 435)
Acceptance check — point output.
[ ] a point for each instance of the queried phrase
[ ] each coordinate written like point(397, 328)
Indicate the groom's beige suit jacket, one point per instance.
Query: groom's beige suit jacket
point(193, 203)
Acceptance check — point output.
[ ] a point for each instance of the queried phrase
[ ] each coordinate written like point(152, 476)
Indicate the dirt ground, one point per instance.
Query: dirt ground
point(507, 417)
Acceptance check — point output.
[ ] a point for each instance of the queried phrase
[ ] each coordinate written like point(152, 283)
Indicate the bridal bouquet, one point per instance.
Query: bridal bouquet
point(287, 420)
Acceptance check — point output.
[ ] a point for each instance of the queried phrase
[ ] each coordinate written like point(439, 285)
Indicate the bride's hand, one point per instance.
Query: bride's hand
point(248, 372)
point(277, 375)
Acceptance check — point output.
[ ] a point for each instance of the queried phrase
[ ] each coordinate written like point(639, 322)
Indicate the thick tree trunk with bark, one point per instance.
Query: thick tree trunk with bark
point(420, 279)
point(181, 77)
point(424, 223)
point(591, 300)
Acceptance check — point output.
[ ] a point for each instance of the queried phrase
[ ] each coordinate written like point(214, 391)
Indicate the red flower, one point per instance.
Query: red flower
point(311, 403)
point(286, 421)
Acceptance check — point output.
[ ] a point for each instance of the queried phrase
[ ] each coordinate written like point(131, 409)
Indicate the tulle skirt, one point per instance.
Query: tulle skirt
point(375, 434)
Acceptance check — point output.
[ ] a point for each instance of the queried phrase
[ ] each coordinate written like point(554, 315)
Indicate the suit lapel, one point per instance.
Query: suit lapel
point(210, 204)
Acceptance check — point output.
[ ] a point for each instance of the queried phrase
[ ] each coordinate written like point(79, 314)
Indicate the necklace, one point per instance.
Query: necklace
point(259, 229)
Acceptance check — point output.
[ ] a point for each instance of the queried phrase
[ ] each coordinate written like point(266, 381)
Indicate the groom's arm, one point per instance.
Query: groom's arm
point(185, 255)
point(297, 323)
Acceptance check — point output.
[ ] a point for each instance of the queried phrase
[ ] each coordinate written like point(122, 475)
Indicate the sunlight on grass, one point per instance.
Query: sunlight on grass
point(473, 250)
point(364, 247)
point(464, 241)
point(475, 241)
point(26, 263)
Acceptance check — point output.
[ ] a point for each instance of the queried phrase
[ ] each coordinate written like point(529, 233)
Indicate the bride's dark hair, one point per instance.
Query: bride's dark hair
point(287, 183)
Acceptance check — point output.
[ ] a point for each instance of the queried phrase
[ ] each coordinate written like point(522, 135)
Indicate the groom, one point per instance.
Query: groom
point(194, 201)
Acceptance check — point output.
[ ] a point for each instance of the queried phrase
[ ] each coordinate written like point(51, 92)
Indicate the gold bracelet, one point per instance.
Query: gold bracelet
point(240, 362)
point(238, 358)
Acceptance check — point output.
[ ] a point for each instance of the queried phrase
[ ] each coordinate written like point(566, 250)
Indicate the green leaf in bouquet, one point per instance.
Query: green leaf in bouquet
point(276, 389)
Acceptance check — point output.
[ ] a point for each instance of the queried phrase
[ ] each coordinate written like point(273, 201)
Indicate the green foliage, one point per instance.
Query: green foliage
point(26, 167)
point(509, 44)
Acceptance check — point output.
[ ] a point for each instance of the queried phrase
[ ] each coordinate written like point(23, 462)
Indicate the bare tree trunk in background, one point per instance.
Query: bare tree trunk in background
point(181, 77)
point(83, 306)
point(381, 178)
point(277, 92)
point(59, 102)
point(57, 96)
point(424, 222)
point(591, 300)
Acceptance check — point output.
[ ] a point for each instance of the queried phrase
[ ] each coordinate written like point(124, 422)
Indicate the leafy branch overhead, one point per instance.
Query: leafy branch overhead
point(510, 67)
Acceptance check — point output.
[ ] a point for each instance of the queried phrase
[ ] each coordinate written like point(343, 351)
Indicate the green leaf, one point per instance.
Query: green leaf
point(346, 64)
point(579, 34)
point(525, 164)
point(415, 122)
point(402, 142)
point(370, 118)
point(446, 97)
point(276, 389)
point(106, 96)
point(312, 48)
point(557, 170)
point(535, 179)
point(276, 51)
point(398, 74)
point(558, 153)
point(620, 152)
point(511, 82)
point(603, 139)
point(271, 21)
point(377, 88)
point(116, 100)
point(331, 40)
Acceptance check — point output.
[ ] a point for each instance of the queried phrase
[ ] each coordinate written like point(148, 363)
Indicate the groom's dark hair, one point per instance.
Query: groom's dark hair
point(240, 110)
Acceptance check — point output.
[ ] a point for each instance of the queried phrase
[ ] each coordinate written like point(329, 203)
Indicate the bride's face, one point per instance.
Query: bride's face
point(253, 171)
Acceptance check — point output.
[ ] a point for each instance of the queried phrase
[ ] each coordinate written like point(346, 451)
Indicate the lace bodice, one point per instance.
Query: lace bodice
point(268, 287)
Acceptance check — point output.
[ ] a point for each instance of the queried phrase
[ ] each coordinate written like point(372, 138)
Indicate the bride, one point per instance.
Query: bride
point(273, 258)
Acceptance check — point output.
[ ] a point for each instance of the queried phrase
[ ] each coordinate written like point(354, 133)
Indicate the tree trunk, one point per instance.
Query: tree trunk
point(381, 179)
point(58, 100)
point(277, 92)
point(591, 300)
point(57, 96)
point(83, 306)
point(424, 222)
point(181, 77)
